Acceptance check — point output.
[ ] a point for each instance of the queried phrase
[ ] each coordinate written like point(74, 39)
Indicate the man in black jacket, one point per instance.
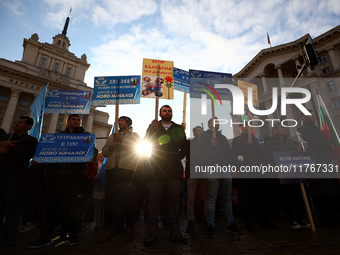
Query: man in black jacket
point(166, 173)
point(252, 190)
point(66, 194)
point(16, 150)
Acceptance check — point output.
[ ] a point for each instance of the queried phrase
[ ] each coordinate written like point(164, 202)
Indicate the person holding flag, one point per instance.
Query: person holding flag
point(325, 191)
point(16, 150)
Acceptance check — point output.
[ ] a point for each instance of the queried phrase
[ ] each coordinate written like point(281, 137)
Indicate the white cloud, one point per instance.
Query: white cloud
point(15, 6)
point(111, 12)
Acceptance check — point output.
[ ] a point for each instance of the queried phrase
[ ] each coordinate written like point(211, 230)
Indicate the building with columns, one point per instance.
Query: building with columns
point(278, 66)
point(41, 64)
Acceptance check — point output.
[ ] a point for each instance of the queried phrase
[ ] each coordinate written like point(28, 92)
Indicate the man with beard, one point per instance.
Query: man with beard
point(166, 173)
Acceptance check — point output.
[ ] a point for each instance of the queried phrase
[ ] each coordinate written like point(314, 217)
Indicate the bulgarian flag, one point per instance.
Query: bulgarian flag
point(327, 127)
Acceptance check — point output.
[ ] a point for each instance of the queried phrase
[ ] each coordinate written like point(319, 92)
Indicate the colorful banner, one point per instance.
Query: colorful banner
point(116, 89)
point(181, 80)
point(204, 82)
point(68, 101)
point(56, 148)
point(158, 79)
point(244, 87)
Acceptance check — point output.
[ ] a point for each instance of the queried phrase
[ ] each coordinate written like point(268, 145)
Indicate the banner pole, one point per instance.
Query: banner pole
point(65, 121)
point(213, 118)
point(250, 138)
point(305, 200)
point(116, 118)
point(117, 108)
point(156, 108)
point(184, 110)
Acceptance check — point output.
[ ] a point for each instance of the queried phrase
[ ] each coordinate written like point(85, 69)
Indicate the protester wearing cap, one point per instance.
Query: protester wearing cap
point(122, 163)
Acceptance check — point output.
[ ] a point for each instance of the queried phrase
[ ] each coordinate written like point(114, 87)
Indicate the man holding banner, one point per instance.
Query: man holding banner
point(120, 195)
point(16, 150)
point(166, 173)
point(66, 189)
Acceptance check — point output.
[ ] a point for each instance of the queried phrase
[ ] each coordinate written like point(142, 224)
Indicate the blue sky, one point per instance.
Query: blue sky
point(211, 35)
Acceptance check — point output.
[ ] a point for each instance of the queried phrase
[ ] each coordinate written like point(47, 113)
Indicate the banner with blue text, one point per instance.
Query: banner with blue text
point(68, 101)
point(116, 89)
point(57, 148)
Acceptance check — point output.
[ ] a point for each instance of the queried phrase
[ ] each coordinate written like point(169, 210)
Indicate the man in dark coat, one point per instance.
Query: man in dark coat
point(252, 191)
point(166, 173)
point(215, 151)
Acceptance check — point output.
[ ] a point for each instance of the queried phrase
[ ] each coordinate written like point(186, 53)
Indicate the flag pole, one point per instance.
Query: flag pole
point(305, 200)
point(269, 40)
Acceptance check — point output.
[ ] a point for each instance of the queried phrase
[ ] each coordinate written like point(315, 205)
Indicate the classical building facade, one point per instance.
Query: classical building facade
point(278, 66)
point(41, 64)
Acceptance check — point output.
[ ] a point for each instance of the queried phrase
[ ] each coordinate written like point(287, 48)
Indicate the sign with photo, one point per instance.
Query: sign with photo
point(158, 79)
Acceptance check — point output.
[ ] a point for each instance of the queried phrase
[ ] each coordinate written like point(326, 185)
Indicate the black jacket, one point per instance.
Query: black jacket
point(211, 155)
point(168, 149)
point(313, 141)
point(17, 158)
point(252, 153)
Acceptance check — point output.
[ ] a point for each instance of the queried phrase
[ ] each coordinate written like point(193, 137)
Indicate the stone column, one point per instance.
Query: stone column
point(38, 59)
point(333, 58)
point(89, 123)
point(51, 67)
point(297, 63)
point(52, 128)
point(279, 72)
point(7, 120)
point(268, 104)
point(264, 83)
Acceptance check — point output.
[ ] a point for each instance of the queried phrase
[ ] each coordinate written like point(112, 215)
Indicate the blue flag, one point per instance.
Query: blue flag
point(37, 109)
point(102, 170)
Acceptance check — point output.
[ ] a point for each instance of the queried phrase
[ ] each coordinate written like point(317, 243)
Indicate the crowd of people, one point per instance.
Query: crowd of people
point(119, 185)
